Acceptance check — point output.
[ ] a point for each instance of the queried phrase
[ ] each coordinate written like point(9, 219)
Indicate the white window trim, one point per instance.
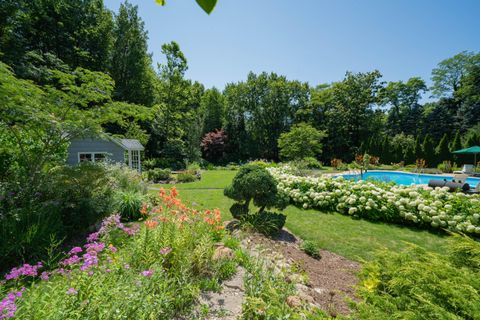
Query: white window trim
point(92, 155)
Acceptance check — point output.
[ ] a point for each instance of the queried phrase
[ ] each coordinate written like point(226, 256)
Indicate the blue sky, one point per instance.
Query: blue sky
point(315, 41)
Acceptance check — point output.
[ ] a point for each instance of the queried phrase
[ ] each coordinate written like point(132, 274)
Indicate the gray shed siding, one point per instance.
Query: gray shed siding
point(114, 151)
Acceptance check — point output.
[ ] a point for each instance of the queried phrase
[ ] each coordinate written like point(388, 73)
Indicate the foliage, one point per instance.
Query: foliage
point(266, 294)
point(186, 177)
point(155, 271)
point(214, 146)
point(254, 184)
point(254, 125)
point(206, 5)
point(411, 205)
point(445, 167)
point(52, 34)
point(300, 142)
point(448, 75)
point(70, 200)
point(157, 174)
point(416, 283)
point(442, 151)
point(131, 65)
point(212, 106)
point(311, 248)
point(129, 204)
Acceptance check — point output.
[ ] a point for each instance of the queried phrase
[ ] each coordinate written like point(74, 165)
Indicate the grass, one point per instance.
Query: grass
point(353, 239)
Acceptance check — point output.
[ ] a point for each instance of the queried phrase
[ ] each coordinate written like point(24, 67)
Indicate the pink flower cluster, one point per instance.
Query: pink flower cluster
point(25, 270)
point(109, 223)
point(8, 306)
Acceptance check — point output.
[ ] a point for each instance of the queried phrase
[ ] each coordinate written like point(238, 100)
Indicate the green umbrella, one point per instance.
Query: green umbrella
point(472, 150)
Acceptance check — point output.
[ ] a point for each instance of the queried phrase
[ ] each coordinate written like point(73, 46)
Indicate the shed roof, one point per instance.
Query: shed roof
point(129, 144)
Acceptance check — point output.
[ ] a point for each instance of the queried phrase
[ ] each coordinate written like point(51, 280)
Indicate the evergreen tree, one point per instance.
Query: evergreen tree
point(213, 109)
point(428, 147)
point(456, 145)
point(443, 151)
point(418, 149)
point(409, 155)
point(131, 64)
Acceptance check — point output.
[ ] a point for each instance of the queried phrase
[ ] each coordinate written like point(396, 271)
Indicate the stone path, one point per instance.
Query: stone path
point(226, 304)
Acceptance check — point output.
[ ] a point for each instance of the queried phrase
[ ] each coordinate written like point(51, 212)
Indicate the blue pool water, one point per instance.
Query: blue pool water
point(404, 178)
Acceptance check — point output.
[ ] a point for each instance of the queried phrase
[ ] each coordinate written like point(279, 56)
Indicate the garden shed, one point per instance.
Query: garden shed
point(96, 149)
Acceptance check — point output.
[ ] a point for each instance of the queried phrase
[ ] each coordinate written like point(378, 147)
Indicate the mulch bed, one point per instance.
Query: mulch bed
point(331, 278)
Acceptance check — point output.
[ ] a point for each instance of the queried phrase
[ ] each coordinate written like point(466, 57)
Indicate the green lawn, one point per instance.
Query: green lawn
point(354, 239)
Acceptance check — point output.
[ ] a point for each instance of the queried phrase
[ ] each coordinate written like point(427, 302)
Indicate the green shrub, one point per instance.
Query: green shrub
point(263, 163)
point(417, 284)
point(154, 273)
point(157, 175)
point(71, 199)
point(128, 204)
point(445, 167)
point(254, 184)
point(186, 177)
point(311, 248)
point(194, 166)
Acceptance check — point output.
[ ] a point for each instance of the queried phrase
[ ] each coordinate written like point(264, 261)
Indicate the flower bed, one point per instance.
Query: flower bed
point(153, 271)
point(413, 205)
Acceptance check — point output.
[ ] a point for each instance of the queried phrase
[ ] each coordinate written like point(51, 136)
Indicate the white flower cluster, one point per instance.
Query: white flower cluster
point(378, 201)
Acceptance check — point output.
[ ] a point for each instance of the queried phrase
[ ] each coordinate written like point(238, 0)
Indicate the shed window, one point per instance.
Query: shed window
point(91, 156)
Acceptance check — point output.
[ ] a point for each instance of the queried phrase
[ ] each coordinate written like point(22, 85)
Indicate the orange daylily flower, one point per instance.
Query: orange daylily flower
point(144, 209)
point(151, 224)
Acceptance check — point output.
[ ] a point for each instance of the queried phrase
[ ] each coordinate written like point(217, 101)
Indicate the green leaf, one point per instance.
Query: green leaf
point(207, 5)
point(160, 2)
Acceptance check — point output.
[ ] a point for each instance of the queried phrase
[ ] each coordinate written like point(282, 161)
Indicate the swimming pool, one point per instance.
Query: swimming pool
point(405, 178)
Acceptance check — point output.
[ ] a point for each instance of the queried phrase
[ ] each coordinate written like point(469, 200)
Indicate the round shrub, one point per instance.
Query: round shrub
point(255, 184)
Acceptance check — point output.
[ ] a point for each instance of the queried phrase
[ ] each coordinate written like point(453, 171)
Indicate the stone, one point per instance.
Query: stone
point(222, 252)
point(294, 301)
point(307, 298)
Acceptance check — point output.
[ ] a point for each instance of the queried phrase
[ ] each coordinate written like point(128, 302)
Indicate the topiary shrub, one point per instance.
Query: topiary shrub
point(253, 184)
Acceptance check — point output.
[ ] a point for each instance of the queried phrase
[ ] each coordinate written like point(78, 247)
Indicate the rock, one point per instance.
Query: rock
point(222, 252)
point(319, 290)
point(301, 287)
point(307, 298)
point(294, 301)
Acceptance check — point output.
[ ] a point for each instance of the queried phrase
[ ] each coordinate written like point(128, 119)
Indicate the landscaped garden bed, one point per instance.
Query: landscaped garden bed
point(412, 205)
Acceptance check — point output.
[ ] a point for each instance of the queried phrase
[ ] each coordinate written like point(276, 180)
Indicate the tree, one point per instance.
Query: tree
point(254, 184)
point(42, 34)
point(443, 151)
point(468, 96)
point(259, 110)
point(402, 98)
point(171, 100)
point(450, 72)
point(300, 142)
point(214, 146)
point(213, 110)
point(131, 64)
point(456, 145)
point(428, 147)
point(350, 119)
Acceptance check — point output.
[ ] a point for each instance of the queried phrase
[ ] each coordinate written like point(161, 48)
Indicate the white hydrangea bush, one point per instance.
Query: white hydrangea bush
point(419, 205)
